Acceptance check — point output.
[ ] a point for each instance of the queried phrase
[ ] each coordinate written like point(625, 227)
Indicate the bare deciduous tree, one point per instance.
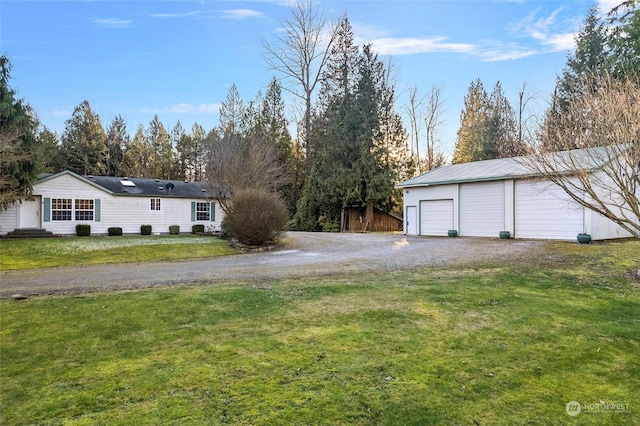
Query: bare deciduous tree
point(300, 54)
point(603, 175)
point(435, 157)
point(413, 110)
point(523, 100)
point(237, 164)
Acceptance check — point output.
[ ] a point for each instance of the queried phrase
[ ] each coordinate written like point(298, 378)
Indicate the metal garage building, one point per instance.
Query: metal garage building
point(483, 198)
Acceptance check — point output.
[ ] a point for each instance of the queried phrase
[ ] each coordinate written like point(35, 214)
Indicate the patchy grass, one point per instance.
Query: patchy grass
point(494, 344)
point(48, 252)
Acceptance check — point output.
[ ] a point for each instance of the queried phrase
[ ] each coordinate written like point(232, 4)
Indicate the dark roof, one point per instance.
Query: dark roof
point(146, 187)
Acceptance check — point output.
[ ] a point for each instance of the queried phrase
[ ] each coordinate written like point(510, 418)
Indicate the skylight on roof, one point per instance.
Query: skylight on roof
point(127, 183)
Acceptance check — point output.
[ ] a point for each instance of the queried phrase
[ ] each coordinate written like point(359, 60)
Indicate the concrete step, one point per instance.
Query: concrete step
point(29, 233)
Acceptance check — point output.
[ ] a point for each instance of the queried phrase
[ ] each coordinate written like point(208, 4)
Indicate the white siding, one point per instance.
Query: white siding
point(482, 209)
point(67, 186)
point(415, 196)
point(602, 228)
point(436, 217)
point(129, 213)
point(9, 219)
point(543, 210)
point(599, 226)
point(126, 212)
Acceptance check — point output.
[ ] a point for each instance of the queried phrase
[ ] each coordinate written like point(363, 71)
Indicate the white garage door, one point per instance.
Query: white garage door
point(436, 217)
point(482, 209)
point(543, 210)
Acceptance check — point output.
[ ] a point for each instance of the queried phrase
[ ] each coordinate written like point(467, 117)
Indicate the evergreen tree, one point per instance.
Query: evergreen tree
point(624, 39)
point(184, 147)
point(351, 161)
point(117, 139)
point(600, 52)
point(200, 145)
point(341, 66)
point(18, 163)
point(502, 130)
point(272, 126)
point(84, 147)
point(586, 63)
point(162, 160)
point(137, 156)
point(48, 151)
point(232, 114)
point(391, 141)
point(472, 135)
point(374, 177)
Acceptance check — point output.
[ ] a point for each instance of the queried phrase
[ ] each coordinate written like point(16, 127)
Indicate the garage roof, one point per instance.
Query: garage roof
point(507, 168)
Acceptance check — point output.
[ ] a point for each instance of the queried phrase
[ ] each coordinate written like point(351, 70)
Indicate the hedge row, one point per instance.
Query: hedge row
point(84, 230)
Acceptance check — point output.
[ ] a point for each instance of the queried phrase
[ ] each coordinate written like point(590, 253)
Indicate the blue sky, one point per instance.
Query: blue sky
point(178, 59)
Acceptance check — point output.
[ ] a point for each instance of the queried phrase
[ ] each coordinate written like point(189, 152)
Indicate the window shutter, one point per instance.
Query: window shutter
point(47, 210)
point(213, 211)
point(96, 206)
point(193, 211)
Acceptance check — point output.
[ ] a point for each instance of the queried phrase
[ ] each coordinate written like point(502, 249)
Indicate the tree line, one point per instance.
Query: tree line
point(351, 145)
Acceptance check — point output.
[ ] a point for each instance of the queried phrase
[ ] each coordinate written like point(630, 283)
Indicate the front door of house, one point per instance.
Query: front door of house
point(30, 213)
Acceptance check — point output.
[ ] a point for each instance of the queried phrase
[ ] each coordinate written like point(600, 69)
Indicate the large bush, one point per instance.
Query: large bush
point(256, 217)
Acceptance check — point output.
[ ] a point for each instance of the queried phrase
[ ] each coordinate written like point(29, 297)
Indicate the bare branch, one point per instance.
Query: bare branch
point(603, 175)
point(301, 53)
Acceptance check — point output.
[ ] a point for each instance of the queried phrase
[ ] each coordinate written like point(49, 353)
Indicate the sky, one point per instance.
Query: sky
point(178, 59)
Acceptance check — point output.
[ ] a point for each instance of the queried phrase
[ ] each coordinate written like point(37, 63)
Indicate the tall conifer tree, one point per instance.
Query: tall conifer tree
point(18, 166)
point(117, 139)
point(84, 147)
point(471, 138)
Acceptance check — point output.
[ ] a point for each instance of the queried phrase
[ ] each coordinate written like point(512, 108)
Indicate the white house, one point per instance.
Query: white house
point(63, 200)
point(484, 198)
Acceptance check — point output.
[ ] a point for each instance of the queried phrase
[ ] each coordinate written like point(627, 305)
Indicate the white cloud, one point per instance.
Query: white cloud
point(239, 14)
point(605, 6)
point(363, 34)
point(62, 112)
point(505, 54)
point(176, 15)
point(545, 31)
point(408, 46)
point(113, 22)
point(487, 51)
point(184, 108)
point(561, 42)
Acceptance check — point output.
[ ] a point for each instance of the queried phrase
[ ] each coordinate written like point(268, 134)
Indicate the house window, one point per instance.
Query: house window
point(61, 209)
point(203, 211)
point(84, 210)
point(155, 204)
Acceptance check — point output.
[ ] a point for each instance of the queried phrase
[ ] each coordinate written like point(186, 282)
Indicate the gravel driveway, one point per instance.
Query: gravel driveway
point(306, 254)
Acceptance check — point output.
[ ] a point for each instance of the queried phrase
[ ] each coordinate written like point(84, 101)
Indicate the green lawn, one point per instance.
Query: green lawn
point(491, 344)
point(48, 252)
